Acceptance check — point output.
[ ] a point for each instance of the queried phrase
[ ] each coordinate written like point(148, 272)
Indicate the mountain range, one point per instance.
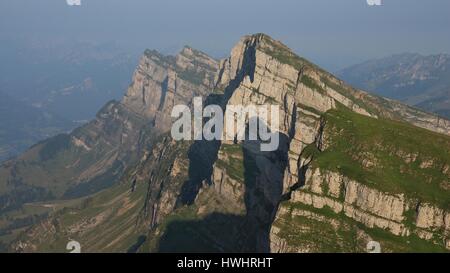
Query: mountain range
point(22, 125)
point(420, 81)
point(351, 167)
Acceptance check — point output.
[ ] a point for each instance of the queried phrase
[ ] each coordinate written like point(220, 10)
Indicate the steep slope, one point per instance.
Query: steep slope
point(94, 156)
point(229, 196)
point(421, 81)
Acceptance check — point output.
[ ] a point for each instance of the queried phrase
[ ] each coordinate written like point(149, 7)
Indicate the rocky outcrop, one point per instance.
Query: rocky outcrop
point(359, 202)
point(161, 82)
point(433, 218)
point(373, 201)
point(366, 205)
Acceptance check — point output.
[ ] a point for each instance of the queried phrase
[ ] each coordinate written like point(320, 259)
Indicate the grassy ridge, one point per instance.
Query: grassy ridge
point(388, 155)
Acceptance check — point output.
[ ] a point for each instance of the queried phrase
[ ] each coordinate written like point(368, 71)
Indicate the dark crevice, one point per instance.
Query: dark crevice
point(319, 137)
point(143, 95)
point(164, 89)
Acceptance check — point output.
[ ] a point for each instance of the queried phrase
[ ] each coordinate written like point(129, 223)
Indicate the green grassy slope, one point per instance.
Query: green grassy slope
point(388, 155)
point(104, 222)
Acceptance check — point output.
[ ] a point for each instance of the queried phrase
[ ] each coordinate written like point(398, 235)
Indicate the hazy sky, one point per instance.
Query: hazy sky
point(333, 33)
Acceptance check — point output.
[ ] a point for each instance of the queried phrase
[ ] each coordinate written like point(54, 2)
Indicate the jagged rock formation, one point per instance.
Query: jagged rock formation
point(160, 82)
point(350, 167)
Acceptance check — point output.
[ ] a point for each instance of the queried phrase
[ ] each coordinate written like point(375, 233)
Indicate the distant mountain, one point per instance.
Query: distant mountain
point(22, 125)
point(52, 89)
point(421, 81)
point(350, 167)
point(70, 80)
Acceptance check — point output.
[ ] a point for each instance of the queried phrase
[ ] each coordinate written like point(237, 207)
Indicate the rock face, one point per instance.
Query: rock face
point(346, 169)
point(358, 202)
point(367, 206)
point(431, 217)
point(160, 82)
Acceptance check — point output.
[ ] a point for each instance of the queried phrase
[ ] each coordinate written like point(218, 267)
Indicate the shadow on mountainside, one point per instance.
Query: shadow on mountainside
point(249, 233)
point(202, 154)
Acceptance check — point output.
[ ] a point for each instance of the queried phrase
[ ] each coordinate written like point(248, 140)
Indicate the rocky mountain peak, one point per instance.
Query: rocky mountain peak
point(160, 82)
point(256, 56)
point(197, 55)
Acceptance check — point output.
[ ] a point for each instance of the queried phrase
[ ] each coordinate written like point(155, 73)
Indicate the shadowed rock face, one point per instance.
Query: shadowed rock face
point(228, 196)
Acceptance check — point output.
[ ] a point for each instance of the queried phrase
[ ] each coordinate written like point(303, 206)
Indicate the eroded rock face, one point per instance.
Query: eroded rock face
point(371, 207)
point(357, 201)
point(378, 203)
point(431, 217)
